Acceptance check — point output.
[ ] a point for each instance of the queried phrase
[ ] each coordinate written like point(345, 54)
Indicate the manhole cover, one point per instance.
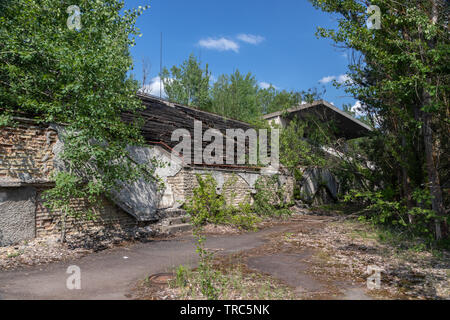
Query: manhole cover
point(161, 278)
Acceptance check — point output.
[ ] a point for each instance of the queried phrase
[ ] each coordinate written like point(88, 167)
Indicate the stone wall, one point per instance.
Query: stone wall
point(26, 165)
point(109, 216)
point(26, 154)
point(229, 183)
point(237, 185)
point(27, 159)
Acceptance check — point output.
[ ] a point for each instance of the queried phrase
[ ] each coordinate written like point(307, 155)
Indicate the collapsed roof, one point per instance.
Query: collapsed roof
point(348, 127)
point(162, 118)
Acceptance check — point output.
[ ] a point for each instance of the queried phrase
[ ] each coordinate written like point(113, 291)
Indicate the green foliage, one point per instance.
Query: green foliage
point(208, 206)
point(206, 273)
point(5, 120)
point(382, 208)
point(272, 100)
point(296, 149)
point(235, 96)
point(188, 84)
point(234, 282)
point(79, 79)
point(181, 276)
point(269, 199)
point(68, 187)
point(401, 76)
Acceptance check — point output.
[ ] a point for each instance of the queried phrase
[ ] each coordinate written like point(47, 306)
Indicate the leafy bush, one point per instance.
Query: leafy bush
point(270, 197)
point(382, 208)
point(208, 206)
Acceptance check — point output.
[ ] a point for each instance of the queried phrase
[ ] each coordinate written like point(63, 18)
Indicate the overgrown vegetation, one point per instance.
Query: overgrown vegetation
point(77, 78)
point(236, 96)
point(207, 205)
point(400, 74)
point(231, 283)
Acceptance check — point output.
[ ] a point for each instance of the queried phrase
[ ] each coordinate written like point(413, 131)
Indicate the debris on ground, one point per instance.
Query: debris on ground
point(50, 249)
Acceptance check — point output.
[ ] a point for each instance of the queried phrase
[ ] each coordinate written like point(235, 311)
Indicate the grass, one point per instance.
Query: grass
point(233, 282)
point(339, 208)
point(394, 236)
point(14, 254)
point(406, 244)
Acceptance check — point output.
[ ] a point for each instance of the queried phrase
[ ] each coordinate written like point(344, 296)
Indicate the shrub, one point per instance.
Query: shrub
point(270, 197)
point(208, 206)
point(383, 209)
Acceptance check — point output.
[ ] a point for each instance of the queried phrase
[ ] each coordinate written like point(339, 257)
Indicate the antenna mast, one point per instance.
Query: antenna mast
point(160, 66)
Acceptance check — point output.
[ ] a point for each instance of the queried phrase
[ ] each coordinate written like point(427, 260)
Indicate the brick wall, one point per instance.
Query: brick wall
point(26, 161)
point(109, 215)
point(235, 189)
point(26, 153)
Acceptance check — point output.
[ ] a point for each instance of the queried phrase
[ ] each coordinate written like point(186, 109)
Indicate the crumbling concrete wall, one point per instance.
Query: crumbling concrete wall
point(318, 186)
point(17, 214)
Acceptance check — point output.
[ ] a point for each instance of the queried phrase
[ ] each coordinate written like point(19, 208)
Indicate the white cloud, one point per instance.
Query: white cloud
point(212, 79)
point(221, 44)
point(340, 79)
point(266, 85)
point(251, 38)
point(344, 78)
point(326, 80)
point(153, 87)
point(358, 109)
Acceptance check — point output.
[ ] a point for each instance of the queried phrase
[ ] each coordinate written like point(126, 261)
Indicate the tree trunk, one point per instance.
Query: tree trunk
point(406, 183)
point(63, 226)
point(433, 175)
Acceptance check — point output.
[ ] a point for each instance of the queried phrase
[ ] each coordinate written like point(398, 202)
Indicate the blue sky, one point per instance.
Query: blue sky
point(275, 40)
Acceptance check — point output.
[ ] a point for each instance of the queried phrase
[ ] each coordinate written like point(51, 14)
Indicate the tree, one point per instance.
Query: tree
point(401, 75)
point(188, 84)
point(77, 78)
point(272, 100)
point(235, 96)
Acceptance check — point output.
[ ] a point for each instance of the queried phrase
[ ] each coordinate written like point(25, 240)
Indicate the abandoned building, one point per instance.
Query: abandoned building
point(319, 185)
point(29, 155)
